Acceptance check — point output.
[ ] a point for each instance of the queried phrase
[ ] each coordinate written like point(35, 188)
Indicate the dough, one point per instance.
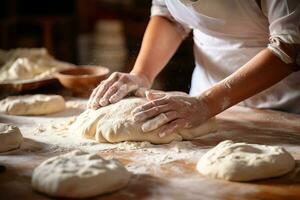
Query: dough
point(10, 137)
point(28, 64)
point(38, 104)
point(245, 162)
point(79, 175)
point(114, 123)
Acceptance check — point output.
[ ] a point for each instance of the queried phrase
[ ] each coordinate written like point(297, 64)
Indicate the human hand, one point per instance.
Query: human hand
point(171, 110)
point(115, 87)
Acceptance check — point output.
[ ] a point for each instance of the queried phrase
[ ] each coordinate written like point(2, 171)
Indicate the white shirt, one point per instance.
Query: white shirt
point(227, 34)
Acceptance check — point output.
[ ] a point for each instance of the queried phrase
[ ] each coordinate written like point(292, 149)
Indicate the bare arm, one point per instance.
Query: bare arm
point(182, 111)
point(160, 42)
point(260, 73)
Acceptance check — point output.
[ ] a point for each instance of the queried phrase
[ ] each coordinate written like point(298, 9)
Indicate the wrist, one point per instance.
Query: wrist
point(206, 106)
point(215, 99)
point(142, 75)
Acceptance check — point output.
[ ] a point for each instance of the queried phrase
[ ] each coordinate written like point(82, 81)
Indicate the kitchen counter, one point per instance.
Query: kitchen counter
point(158, 171)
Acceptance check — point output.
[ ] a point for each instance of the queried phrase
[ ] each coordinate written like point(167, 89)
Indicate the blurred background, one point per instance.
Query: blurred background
point(90, 32)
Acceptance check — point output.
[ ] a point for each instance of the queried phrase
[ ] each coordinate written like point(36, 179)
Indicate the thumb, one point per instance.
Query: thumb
point(141, 92)
point(154, 94)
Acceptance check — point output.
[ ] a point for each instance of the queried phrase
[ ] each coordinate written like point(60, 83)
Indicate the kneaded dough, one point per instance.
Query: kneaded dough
point(79, 174)
point(10, 137)
point(114, 123)
point(245, 162)
point(38, 104)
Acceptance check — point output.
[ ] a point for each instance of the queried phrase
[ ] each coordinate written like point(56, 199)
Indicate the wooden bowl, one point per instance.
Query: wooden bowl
point(83, 79)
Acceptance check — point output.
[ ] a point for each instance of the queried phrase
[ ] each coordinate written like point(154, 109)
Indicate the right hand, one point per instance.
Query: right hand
point(115, 87)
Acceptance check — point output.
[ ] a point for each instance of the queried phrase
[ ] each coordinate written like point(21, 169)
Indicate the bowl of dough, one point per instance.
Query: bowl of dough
point(82, 80)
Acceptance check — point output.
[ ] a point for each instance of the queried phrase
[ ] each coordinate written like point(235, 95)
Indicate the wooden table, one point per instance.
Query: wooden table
point(178, 179)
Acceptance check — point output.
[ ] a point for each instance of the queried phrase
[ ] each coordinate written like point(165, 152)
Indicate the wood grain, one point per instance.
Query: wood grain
point(179, 179)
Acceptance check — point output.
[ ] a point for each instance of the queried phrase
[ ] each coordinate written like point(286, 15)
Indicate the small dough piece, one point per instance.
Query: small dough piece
point(114, 123)
point(38, 104)
point(245, 162)
point(10, 137)
point(79, 174)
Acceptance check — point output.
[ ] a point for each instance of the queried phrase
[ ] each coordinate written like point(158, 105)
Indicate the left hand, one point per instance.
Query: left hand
point(172, 110)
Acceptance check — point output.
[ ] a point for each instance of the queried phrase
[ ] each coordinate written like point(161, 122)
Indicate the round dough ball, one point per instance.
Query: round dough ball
point(79, 174)
point(10, 137)
point(245, 162)
point(38, 104)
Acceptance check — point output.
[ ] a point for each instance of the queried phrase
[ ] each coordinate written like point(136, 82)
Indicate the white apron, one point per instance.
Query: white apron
point(227, 34)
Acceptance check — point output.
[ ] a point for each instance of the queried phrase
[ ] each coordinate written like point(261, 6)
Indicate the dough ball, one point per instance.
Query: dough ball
point(10, 137)
point(79, 174)
point(245, 162)
point(114, 123)
point(38, 104)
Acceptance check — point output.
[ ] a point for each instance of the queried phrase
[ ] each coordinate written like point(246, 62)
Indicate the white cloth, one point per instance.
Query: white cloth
point(227, 34)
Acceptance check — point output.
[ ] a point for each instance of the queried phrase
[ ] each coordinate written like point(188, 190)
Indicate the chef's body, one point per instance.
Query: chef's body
point(245, 52)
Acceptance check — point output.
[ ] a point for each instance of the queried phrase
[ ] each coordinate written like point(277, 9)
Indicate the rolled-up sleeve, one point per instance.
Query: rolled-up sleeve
point(159, 8)
point(284, 27)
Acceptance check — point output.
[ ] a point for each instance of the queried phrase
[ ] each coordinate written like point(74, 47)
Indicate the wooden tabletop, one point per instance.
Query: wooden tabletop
point(178, 179)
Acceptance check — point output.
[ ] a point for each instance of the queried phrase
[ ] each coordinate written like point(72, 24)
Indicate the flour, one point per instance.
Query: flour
point(51, 135)
point(154, 156)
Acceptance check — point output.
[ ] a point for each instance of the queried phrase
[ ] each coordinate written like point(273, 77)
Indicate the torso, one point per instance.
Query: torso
point(227, 34)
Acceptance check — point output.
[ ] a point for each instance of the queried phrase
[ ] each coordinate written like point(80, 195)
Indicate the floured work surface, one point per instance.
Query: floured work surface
point(159, 171)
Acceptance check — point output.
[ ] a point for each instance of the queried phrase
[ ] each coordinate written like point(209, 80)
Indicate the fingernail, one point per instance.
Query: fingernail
point(136, 110)
point(95, 107)
point(135, 118)
point(163, 134)
point(139, 117)
point(155, 95)
point(103, 102)
point(113, 99)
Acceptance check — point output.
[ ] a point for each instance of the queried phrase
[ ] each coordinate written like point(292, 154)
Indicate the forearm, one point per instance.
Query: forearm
point(260, 73)
point(160, 42)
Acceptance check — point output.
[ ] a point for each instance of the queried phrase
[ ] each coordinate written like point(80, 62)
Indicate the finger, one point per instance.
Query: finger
point(173, 127)
point(159, 121)
point(92, 96)
point(152, 112)
point(150, 105)
point(103, 87)
point(153, 95)
point(94, 101)
point(119, 94)
point(141, 92)
point(89, 103)
point(111, 91)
